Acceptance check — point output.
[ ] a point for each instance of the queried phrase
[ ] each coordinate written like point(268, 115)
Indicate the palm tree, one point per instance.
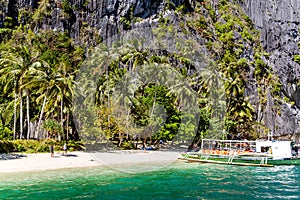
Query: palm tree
point(66, 82)
point(8, 83)
point(17, 62)
point(55, 87)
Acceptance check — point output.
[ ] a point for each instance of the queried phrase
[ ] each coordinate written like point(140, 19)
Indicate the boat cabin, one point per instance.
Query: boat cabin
point(279, 149)
point(275, 149)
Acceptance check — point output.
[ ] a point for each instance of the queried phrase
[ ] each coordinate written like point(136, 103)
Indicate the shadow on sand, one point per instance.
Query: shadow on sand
point(69, 155)
point(10, 156)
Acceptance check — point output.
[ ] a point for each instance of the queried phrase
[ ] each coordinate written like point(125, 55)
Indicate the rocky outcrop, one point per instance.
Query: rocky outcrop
point(104, 17)
point(279, 22)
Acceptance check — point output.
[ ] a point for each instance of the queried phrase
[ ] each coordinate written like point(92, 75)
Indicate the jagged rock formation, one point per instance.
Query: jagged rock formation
point(279, 22)
point(103, 17)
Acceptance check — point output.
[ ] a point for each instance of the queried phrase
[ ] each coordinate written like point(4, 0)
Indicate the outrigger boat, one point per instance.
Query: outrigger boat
point(243, 152)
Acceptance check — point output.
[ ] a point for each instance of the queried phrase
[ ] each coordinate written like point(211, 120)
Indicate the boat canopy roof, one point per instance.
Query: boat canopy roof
point(232, 141)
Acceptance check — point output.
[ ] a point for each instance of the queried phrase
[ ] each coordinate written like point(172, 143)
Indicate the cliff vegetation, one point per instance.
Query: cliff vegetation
point(44, 44)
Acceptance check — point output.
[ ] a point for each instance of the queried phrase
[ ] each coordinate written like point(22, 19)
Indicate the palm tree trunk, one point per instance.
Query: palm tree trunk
point(61, 116)
point(28, 117)
point(67, 126)
point(145, 143)
point(15, 115)
point(21, 115)
point(40, 119)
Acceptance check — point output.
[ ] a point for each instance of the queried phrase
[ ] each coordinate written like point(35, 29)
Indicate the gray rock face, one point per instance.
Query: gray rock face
point(103, 16)
point(279, 22)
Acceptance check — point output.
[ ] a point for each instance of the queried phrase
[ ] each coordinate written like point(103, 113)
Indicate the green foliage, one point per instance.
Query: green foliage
point(297, 58)
point(5, 133)
point(104, 125)
point(7, 146)
point(169, 5)
point(249, 22)
point(73, 145)
point(35, 146)
point(127, 145)
point(86, 2)
point(67, 8)
point(247, 36)
point(53, 128)
point(229, 35)
point(4, 31)
point(46, 63)
point(202, 23)
point(9, 23)
point(127, 19)
point(126, 23)
point(43, 11)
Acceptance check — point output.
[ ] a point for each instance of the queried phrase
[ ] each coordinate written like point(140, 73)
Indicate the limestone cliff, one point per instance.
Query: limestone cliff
point(103, 17)
point(277, 20)
point(279, 23)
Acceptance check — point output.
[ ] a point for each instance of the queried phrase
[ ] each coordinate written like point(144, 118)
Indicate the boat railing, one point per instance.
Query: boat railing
point(225, 146)
point(230, 159)
point(224, 152)
point(206, 157)
point(264, 161)
point(191, 154)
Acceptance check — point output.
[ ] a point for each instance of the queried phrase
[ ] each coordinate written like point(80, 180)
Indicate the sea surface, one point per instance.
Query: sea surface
point(177, 181)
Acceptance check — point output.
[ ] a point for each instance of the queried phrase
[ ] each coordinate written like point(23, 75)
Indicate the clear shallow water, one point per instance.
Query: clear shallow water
point(178, 181)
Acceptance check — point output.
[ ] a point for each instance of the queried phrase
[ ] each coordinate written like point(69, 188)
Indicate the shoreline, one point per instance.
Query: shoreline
point(132, 160)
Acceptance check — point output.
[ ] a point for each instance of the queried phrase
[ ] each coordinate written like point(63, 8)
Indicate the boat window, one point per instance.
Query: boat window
point(265, 149)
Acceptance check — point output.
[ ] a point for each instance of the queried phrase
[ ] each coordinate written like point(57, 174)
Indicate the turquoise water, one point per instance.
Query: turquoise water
point(177, 181)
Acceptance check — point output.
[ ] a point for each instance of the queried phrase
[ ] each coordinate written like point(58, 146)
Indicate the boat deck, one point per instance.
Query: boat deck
point(227, 163)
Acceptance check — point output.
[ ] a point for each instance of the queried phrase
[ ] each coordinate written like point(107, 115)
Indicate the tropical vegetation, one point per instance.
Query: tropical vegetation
point(38, 78)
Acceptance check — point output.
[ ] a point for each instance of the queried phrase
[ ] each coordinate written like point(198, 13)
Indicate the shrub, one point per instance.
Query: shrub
point(75, 145)
point(5, 133)
point(37, 146)
point(6, 146)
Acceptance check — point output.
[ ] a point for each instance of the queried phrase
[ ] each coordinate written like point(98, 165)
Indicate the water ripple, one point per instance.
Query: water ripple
point(179, 181)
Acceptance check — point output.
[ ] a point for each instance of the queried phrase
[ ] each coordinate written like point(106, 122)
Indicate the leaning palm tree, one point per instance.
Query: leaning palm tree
point(54, 85)
point(38, 80)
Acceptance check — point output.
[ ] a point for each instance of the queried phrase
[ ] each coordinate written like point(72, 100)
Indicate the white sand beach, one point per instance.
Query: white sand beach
point(115, 159)
point(43, 161)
